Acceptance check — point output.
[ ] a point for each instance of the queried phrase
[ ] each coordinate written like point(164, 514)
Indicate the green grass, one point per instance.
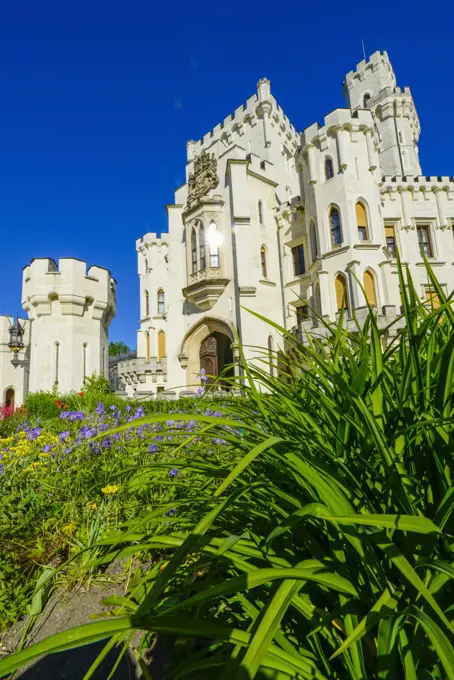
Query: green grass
point(320, 544)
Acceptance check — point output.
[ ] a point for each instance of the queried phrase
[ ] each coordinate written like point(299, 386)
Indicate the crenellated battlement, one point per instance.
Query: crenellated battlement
point(152, 240)
point(68, 288)
point(360, 121)
point(378, 61)
point(246, 114)
point(418, 183)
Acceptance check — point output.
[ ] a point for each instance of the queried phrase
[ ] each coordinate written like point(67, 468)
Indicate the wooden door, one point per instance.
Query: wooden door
point(209, 357)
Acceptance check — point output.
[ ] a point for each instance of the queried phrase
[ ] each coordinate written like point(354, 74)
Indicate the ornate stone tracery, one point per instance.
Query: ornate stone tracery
point(203, 179)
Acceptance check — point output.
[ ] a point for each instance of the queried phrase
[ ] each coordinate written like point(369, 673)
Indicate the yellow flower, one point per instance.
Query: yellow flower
point(33, 466)
point(43, 454)
point(110, 489)
point(91, 505)
point(69, 529)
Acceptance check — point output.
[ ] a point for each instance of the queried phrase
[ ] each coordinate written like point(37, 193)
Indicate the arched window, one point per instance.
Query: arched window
point(202, 254)
point(341, 292)
point(147, 303)
point(366, 99)
point(271, 355)
point(194, 250)
point(335, 227)
point(145, 264)
point(263, 262)
point(369, 288)
point(214, 240)
point(313, 239)
point(329, 168)
point(147, 347)
point(260, 208)
point(401, 137)
point(161, 345)
point(361, 221)
point(161, 302)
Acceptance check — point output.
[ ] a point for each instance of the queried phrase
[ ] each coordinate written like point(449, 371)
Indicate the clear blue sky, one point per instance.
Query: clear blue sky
point(99, 98)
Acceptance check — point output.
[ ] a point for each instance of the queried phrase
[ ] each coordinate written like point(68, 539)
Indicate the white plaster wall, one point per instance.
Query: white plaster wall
point(72, 307)
point(11, 377)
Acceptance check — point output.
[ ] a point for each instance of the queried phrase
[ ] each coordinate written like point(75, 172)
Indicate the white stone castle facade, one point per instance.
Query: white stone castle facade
point(281, 222)
point(66, 333)
point(269, 220)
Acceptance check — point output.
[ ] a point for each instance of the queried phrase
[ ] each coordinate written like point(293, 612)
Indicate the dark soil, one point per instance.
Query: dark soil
point(66, 610)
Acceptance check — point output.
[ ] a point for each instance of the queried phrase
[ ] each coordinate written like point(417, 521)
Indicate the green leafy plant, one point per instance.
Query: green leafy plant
point(321, 544)
point(96, 384)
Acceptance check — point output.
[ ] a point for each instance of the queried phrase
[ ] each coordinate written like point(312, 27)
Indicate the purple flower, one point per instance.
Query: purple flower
point(33, 433)
point(128, 408)
point(200, 391)
point(113, 407)
point(159, 437)
point(152, 449)
point(173, 472)
point(116, 437)
point(46, 448)
point(63, 435)
point(106, 443)
point(140, 432)
point(100, 410)
point(139, 412)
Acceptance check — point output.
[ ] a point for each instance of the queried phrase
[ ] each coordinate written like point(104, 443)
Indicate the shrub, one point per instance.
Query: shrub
point(96, 384)
point(324, 548)
point(42, 405)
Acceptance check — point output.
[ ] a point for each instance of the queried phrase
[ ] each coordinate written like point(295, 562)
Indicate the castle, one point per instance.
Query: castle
point(270, 220)
point(284, 223)
point(65, 336)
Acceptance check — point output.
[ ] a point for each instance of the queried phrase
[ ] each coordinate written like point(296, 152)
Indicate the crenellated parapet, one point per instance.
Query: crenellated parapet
point(377, 64)
point(68, 288)
point(235, 125)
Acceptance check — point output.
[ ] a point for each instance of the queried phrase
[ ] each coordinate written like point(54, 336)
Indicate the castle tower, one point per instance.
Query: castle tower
point(372, 86)
point(70, 310)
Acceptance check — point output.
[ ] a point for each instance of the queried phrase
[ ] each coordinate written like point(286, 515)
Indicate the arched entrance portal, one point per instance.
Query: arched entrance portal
point(208, 345)
point(9, 398)
point(215, 356)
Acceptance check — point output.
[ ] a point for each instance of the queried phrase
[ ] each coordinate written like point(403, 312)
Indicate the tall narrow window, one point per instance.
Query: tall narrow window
point(401, 137)
point(390, 237)
point(341, 292)
point(260, 208)
point(57, 361)
point(84, 350)
point(329, 168)
point(298, 260)
point(314, 246)
point(147, 347)
point(361, 221)
point(369, 288)
point(202, 254)
point(263, 262)
point(366, 99)
point(425, 245)
point(145, 265)
point(271, 355)
point(194, 250)
point(147, 303)
point(335, 227)
point(214, 240)
point(161, 302)
point(161, 345)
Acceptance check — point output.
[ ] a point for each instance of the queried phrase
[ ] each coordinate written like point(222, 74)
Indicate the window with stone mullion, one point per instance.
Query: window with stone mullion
point(425, 246)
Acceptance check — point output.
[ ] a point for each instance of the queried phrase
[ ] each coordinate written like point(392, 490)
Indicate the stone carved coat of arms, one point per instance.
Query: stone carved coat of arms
point(203, 179)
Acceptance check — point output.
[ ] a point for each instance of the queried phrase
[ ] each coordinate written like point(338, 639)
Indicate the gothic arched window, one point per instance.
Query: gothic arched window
point(161, 301)
point(260, 210)
point(313, 239)
point(263, 262)
point(369, 288)
point(341, 292)
point(335, 227)
point(147, 303)
point(329, 168)
point(194, 250)
point(361, 221)
point(365, 100)
point(161, 345)
point(202, 253)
